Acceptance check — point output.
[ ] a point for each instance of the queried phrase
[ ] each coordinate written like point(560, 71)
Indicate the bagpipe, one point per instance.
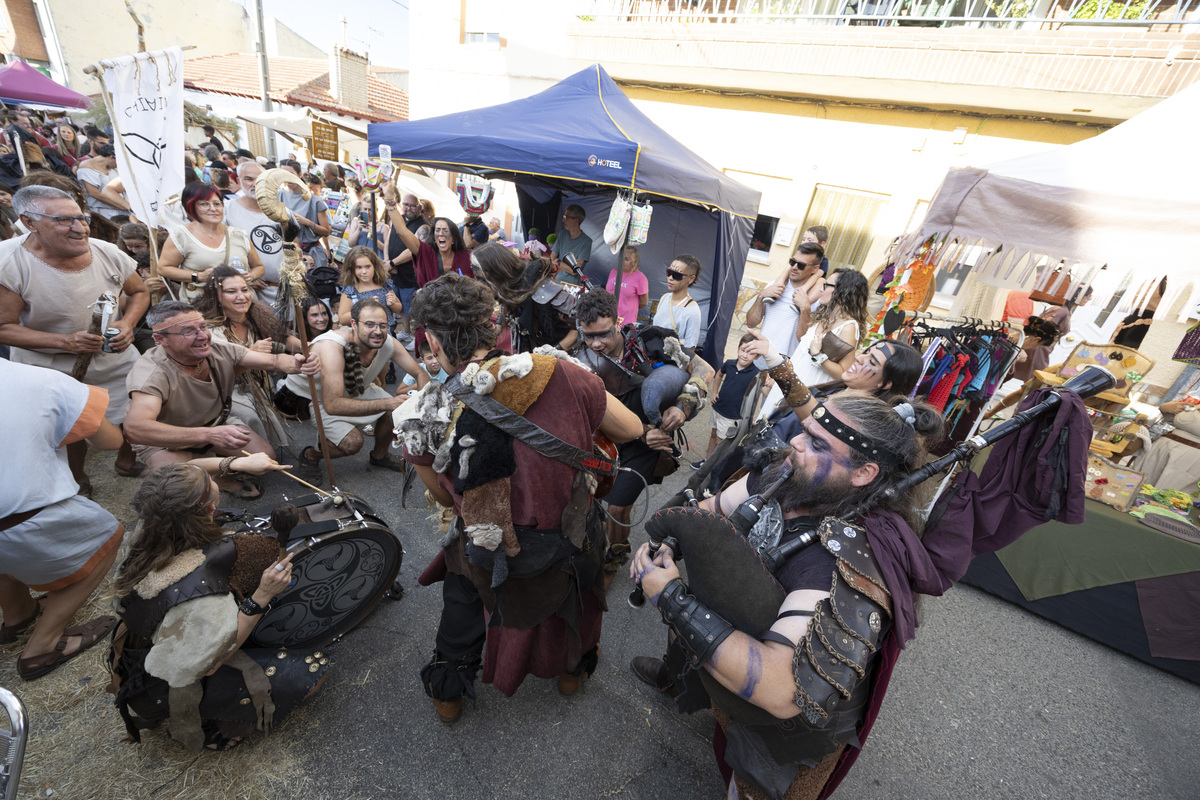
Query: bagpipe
point(733, 579)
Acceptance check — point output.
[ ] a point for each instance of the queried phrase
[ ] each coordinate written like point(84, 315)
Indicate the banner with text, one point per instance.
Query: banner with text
point(144, 95)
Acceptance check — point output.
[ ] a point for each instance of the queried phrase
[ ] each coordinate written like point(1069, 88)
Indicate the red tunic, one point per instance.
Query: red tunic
point(571, 407)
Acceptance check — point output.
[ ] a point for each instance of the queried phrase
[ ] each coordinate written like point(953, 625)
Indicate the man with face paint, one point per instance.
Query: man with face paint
point(816, 666)
point(351, 359)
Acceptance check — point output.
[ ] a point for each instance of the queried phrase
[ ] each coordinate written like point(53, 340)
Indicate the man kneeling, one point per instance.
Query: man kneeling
point(351, 359)
point(181, 393)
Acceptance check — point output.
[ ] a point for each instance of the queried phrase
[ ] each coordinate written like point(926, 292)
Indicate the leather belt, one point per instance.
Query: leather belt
point(13, 520)
point(1174, 437)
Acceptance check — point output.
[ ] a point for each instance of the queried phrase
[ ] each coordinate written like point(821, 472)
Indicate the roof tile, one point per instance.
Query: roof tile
point(294, 81)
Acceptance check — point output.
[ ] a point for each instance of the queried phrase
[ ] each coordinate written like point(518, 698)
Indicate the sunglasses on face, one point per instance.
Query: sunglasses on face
point(830, 284)
point(676, 275)
point(796, 263)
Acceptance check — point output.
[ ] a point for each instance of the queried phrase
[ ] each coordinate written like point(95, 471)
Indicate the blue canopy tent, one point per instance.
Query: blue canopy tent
point(581, 141)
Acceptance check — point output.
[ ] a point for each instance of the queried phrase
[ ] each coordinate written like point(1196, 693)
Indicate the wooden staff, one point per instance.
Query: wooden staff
point(322, 440)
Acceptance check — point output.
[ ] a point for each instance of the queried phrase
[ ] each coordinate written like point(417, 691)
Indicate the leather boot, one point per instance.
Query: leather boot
point(448, 710)
point(569, 684)
point(653, 672)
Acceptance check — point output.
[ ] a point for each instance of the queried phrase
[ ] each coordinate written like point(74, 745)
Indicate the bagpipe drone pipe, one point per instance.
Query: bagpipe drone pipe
point(727, 574)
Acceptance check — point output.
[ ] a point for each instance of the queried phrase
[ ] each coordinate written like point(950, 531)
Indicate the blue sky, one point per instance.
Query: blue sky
point(380, 26)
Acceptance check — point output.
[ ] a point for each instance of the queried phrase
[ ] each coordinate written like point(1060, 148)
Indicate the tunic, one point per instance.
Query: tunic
point(59, 301)
point(338, 427)
point(187, 401)
point(60, 544)
point(571, 407)
point(266, 237)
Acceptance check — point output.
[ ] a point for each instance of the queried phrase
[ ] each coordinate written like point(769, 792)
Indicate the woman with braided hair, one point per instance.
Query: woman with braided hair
point(190, 595)
point(239, 318)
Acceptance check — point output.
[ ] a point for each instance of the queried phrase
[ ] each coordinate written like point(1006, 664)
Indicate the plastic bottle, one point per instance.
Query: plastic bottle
point(236, 263)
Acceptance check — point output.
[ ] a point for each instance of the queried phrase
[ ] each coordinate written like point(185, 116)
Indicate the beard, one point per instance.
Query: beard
point(767, 465)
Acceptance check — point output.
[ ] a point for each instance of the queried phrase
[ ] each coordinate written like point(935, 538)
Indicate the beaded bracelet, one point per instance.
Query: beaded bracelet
point(225, 464)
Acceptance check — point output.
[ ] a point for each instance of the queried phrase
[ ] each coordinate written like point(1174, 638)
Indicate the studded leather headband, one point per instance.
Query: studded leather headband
point(872, 449)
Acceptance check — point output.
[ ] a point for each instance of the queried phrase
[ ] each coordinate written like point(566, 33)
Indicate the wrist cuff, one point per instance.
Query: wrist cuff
point(698, 629)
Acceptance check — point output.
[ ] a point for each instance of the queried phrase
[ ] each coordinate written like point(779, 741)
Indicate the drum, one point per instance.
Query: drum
point(344, 560)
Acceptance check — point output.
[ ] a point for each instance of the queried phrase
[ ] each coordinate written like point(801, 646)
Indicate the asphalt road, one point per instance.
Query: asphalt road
point(989, 701)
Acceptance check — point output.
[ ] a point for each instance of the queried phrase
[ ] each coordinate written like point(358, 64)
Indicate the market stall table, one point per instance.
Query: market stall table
point(1112, 579)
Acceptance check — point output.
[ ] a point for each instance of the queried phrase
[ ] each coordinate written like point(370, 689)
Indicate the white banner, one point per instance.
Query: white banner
point(144, 95)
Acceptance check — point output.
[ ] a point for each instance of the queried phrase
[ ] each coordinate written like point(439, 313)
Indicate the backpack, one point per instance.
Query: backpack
point(323, 282)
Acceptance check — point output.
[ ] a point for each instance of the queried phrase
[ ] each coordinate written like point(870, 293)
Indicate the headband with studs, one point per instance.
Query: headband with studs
point(873, 450)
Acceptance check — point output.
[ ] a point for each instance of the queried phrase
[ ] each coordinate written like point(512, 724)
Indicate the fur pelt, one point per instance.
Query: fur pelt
point(354, 376)
point(176, 569)
point(424, 423)
point(489, 453)
point(674, 351)
point(560, 354)
point(254, 554)
point(491, 505)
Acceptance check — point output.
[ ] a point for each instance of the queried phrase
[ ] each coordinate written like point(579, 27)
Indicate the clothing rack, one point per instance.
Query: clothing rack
point(896, 320)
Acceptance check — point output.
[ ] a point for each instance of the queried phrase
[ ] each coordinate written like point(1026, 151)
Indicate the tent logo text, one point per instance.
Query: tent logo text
point(603, 162)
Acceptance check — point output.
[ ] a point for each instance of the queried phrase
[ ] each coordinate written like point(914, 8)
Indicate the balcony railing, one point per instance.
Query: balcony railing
point(1037, 14)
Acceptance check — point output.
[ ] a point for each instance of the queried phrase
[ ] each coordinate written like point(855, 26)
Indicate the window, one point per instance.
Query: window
point(850, 216)
point(760, 240)
point(492, 39)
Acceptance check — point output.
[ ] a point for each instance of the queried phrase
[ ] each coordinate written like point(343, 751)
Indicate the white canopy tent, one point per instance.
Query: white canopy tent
point(1127, 198)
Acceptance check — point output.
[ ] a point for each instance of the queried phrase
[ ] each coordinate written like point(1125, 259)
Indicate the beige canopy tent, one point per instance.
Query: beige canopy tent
point(1127, 198)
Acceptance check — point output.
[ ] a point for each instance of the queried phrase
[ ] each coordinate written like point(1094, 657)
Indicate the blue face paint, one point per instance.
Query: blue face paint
point(753, 673)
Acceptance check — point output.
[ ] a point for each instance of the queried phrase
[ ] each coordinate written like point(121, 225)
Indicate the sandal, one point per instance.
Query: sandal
point(85, 490)
point(134, 471)
point(90, 633)
point(310, 467)
point(387, 462)
point(9, 633)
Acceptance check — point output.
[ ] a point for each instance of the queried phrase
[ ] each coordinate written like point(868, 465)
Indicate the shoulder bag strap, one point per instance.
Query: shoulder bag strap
point(531, 434)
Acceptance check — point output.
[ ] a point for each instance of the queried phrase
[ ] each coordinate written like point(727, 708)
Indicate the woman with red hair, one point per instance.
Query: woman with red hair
point(193, 250)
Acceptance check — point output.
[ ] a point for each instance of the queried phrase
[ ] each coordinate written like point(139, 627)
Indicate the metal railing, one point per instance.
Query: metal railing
point(1036, 14)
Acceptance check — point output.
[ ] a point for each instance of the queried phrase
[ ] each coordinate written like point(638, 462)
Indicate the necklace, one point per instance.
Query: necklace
point(196, 368)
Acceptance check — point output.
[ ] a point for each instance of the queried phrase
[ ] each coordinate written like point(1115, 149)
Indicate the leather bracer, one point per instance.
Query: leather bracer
point(698, 629)
point(794, 390)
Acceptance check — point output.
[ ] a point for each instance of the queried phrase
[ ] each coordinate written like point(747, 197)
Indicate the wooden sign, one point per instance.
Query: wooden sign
point(325, 141)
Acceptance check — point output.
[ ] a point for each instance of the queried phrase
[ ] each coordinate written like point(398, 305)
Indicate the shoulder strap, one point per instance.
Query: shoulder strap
point(531, 434)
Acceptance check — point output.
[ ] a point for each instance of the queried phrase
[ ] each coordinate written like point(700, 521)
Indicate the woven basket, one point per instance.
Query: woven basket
point(1111, 483)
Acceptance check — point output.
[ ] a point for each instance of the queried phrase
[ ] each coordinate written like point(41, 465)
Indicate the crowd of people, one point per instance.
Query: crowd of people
point(484, 359)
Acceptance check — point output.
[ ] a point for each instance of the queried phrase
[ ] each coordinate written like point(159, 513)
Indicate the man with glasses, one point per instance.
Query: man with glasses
point(351, 359)
point(777, 308)
point(606, 354)
point(571, 239)
point(181, 393)
point(50, 281)
point(400, 259)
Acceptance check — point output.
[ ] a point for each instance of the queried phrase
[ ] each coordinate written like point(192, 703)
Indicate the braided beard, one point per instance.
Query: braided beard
point(354, 376)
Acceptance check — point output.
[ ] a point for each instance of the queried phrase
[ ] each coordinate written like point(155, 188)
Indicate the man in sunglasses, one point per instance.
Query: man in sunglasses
point(778, 307)
point(50, 281)
point(181, 393)
point(623, 370)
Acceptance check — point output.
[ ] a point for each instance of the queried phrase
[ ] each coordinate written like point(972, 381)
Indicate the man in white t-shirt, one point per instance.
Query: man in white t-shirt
point(777, 307)
point(265, 234)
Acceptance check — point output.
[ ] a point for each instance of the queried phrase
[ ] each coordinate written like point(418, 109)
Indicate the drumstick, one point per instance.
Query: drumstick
point(297, 478)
